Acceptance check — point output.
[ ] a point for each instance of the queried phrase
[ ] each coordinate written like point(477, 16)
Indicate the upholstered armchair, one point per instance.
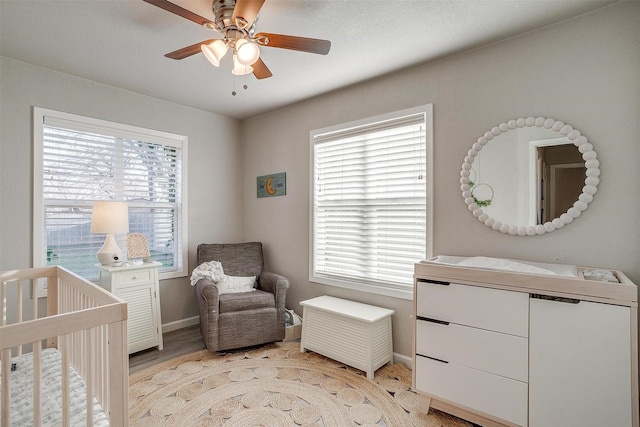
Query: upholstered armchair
point(236, 320)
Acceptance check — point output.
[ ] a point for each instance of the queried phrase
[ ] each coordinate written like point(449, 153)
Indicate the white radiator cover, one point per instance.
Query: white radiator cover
point(356, 334)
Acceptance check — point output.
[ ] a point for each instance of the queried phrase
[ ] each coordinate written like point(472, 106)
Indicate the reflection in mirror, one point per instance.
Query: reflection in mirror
point(559, 177)
point(529, 176)
point(536, 172)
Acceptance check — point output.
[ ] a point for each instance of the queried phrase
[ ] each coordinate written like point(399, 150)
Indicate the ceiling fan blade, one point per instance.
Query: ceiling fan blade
point(180, 11)
point(246, 10)
point(260, 70)
point(302, 44)
point(188, 51)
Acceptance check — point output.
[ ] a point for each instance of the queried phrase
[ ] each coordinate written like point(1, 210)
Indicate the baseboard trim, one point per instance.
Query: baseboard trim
point(405, 360)
point(179, 324)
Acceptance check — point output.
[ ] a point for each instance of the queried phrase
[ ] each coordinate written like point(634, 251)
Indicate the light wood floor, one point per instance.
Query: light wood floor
point(176, 343)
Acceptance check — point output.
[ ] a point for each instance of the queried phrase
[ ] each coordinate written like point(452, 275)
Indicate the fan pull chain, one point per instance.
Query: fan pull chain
point(244, 86)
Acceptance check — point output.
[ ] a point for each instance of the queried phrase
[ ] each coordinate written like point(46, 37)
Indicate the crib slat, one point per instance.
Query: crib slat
point(37, 383)
point(64, 340)
point(52, 306)
point(6, 387)
point(103, 378)
point(19, 313)
point(34, 300)
point(89, 355)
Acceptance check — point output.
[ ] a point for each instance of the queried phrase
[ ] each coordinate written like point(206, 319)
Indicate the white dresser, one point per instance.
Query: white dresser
point(507, 348)
point(138, 286)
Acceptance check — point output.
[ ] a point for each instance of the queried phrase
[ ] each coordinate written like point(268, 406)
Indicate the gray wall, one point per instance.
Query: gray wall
point(583, 71)
point(214, 162)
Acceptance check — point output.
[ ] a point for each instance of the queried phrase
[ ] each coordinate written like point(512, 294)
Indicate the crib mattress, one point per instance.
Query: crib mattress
point(51, 396)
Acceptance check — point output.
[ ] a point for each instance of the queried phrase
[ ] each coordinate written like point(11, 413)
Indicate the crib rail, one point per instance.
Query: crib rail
point(87, 324)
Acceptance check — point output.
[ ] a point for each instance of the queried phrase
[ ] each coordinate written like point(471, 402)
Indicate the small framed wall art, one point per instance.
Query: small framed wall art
point(272, 185)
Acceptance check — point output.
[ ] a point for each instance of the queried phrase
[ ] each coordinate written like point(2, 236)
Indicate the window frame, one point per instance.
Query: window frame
point(181, 141)
point(375, 288)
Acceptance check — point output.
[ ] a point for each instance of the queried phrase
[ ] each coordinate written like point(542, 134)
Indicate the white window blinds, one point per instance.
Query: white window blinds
point(369, 202)
point(83, 162)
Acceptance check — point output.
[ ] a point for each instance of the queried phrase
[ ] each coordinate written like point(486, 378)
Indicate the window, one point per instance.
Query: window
point(371, 209)
point(78, 160)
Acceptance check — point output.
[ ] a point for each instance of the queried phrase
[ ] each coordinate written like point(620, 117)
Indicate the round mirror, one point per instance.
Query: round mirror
point(529, 176)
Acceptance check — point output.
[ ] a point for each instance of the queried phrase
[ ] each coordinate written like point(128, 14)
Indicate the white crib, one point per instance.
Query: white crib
point(81, 376)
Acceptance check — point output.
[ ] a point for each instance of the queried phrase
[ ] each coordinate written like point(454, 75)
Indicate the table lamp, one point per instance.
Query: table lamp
point(110, 218)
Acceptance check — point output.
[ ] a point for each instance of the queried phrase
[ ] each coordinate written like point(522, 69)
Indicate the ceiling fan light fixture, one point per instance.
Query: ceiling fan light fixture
point(214, 51)
point(235, 20)
point(240, 69)
point(247, 52)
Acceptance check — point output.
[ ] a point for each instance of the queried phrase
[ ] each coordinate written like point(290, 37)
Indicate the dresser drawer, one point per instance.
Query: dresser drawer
point(492, 394)
point(497, 353)
point(134, 277)
point(491, 309)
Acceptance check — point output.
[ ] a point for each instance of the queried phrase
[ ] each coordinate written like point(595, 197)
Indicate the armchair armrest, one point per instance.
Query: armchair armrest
point(277, 285)
point(272, 282)
point(208, 303)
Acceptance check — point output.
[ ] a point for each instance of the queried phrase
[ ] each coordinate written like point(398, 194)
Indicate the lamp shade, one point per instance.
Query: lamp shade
point(214, 51)
point(247, 52)
point(239, 69)
point(110, 217)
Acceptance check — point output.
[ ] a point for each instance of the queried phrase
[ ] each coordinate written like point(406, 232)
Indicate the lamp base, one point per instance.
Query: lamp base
point(110, 253)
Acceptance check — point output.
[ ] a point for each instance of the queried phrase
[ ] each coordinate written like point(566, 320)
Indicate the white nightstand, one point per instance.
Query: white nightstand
point(138, 286)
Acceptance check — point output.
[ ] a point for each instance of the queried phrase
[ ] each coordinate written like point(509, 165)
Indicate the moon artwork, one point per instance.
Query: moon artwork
point(272, 185)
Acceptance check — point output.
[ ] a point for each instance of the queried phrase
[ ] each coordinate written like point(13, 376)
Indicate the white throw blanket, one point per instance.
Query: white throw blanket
point(211, 270)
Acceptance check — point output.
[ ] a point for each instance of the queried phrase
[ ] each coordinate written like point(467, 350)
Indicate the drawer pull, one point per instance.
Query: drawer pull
point(427, 319)
point(435, 282)
point(134, 278)
point(433, 358)
point(556, 299)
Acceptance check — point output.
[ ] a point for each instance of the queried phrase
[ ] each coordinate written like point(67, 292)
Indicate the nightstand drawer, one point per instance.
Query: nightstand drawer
point(492, 394)
point(497, 353)
point(142, 275)
point(491, 309)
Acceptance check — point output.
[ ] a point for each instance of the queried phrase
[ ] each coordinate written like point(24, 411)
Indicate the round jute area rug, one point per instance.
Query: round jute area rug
point(274, 385)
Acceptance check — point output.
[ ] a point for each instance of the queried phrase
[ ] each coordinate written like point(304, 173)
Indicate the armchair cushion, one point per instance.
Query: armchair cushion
point(240, 302)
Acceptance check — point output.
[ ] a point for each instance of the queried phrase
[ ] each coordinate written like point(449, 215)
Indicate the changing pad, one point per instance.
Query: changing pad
point(504, 264)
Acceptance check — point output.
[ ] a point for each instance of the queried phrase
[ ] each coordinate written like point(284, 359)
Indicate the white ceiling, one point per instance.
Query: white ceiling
point(123, 42)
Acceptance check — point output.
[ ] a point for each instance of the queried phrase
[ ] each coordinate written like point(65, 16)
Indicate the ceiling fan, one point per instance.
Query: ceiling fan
point(235, 20)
